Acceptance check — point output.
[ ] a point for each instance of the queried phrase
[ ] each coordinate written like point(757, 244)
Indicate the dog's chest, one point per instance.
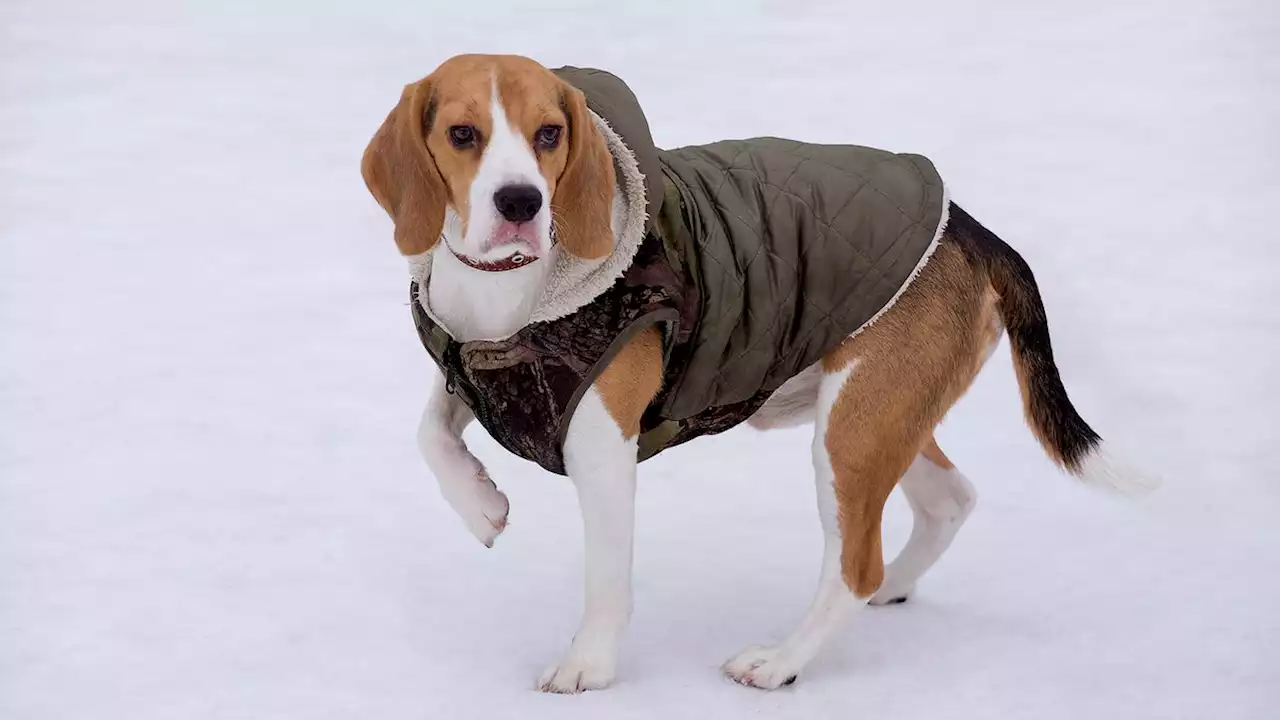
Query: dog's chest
point(523, 390)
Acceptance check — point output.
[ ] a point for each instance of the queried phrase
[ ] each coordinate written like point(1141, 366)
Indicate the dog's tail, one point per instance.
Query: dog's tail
point(1064, 435)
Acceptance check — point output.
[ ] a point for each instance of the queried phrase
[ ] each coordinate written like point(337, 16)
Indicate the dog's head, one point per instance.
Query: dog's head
point(490, 152)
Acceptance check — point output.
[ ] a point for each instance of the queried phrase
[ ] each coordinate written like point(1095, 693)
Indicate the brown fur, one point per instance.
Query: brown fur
point(581, 206)
point(402, 176)
point(530, 98)
point(632, 379)
point(913, 364)
point(934, 454)
point(414, 171)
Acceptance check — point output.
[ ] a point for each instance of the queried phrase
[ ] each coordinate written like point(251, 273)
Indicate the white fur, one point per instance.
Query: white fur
point(771, 667)
point(792, 404)
point(463, 480)
point(508, 159)
point(602, 465)
point(941, 499)
point(475, 305)
point(472, 304)
point(1102, 470)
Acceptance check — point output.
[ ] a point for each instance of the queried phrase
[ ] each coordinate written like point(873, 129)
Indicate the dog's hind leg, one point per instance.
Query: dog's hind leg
point(856, 464)
point(882, 393)
point(941, 498)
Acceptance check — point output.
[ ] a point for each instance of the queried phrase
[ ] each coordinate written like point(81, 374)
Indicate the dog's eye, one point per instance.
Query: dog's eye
point(547, 137)
point(462, 136)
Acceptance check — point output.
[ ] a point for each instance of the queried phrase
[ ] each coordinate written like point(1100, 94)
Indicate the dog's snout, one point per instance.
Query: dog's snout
point(518, 203)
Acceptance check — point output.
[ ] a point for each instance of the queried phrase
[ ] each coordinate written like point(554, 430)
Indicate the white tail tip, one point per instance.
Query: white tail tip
point(1103, 470)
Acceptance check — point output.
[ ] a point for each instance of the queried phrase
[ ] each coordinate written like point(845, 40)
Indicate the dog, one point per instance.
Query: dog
point(593, 299)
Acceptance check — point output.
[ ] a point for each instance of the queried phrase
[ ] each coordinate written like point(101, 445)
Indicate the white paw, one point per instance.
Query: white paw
point(577, 673)
point(892, 593)
point(480, 504)
point(761, 667)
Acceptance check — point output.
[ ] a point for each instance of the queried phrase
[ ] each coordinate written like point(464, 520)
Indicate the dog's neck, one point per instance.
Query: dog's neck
point(473, 304)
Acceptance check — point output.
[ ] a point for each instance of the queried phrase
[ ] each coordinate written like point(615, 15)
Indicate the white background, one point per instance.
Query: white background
point(211, 505)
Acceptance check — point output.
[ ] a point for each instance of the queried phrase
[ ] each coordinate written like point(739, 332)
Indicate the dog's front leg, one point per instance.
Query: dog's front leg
point(463, 480)
point(601, 462)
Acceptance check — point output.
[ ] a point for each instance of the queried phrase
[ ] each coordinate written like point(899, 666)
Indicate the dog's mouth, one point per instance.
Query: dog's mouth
point(517, 237)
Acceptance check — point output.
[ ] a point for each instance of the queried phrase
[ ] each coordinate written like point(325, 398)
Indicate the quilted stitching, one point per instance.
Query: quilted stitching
point(795, 247)
point(755, 197)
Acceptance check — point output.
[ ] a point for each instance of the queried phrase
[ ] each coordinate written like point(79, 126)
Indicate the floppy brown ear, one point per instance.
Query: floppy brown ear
point(402, 176)
point(584, 195)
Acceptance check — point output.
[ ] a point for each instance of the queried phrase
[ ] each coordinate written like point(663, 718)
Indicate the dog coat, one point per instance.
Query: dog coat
point(758, 257)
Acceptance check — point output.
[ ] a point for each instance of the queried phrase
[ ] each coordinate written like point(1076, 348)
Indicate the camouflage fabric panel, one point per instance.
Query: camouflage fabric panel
point(523, 390)
point(717, 419)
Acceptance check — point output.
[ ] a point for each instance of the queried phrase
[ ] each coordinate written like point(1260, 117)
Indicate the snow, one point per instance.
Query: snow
point(211, 505)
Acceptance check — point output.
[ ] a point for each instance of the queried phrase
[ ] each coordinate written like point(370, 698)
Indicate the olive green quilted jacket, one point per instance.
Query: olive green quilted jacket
point(762, 255)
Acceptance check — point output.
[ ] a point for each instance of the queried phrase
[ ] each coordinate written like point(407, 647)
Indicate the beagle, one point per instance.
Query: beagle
point(535, 219)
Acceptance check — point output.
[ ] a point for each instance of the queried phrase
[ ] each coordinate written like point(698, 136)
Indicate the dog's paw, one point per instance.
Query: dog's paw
point(480, 504)
point(891, 594)
point(577, 673)
point(761, 667)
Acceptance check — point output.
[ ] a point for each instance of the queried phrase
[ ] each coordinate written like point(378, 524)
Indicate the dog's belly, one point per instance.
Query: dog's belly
point(792, 404)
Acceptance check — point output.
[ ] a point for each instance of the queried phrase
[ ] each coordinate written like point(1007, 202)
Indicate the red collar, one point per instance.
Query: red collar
point(517, 260)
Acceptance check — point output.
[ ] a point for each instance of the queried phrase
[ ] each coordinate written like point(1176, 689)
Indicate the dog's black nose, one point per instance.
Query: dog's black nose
point(518, 203)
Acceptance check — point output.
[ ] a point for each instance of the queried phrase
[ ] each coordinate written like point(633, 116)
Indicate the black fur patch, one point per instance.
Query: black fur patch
point(1049, 410)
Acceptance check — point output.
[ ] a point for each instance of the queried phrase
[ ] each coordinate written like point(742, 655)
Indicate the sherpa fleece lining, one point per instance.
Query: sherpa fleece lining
point(574, 282)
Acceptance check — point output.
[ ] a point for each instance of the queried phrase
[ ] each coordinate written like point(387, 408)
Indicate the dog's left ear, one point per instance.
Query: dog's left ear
point(584, 195)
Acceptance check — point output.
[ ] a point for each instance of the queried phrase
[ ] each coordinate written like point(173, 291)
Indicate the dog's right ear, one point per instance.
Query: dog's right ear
point(402, 175)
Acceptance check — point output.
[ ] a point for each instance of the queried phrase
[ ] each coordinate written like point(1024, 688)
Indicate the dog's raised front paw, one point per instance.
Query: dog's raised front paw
point(480, 504)
point(760, 667)
point(577, 673)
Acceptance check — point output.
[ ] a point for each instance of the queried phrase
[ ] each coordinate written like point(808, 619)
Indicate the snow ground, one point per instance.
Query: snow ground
point(210, 501)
